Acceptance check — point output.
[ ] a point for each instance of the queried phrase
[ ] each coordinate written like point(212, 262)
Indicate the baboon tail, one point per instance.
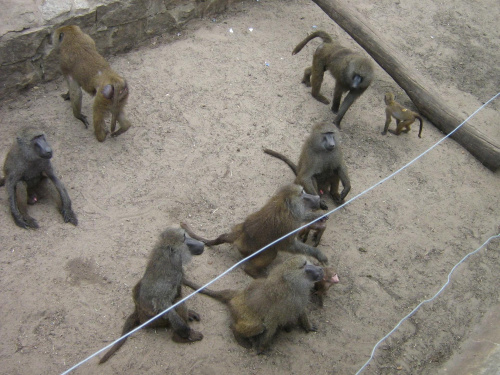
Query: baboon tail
point(223, 296)
point(421, 125)
point(292, 166)
point(317, 34)
point(131, 322)
point(223, 238)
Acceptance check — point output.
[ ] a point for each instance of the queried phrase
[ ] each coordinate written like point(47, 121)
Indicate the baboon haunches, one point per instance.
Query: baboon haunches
point(353, 72)
point(28, 161)
point(160, 288)
point(266, 305)
point(83, 66)
point(282, 214)
point(321, 164)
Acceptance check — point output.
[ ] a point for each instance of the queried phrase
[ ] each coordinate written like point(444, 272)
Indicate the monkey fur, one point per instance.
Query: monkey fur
point(283, 213)
point(83, 67)
point(160, 288)
point(28, 161)
point(321, 164)
point(404, 117)
point(353, 72)
point(266, 305)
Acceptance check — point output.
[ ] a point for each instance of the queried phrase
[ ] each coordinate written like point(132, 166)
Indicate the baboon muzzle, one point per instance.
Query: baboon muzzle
point(195, 247)
point(314, 273)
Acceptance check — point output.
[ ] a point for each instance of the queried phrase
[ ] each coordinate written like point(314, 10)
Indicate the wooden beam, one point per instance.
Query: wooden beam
point(426, 101)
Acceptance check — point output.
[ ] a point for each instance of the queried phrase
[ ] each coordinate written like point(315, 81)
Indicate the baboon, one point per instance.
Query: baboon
point(160, 288)
point(83, 66)
point(321, 164)
point(353, 72)
point(28, 161)
point(266, 305)
point(282, 214)
point(404, 117)
point(329, 278)
point(318, 227)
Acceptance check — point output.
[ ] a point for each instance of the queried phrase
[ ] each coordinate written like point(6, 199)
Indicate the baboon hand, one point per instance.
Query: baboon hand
point(193, 316)
point(194, 336)
point(322, 258)
point(83, 119)
point(69, 216)
point(26, 222)
point(323, 205)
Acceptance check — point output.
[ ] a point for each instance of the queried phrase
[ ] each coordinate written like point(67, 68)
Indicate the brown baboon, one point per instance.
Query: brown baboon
point(321, 163)
point(318, 227)
point(83, 66)
point(28, 161)
point(352, 72)
point(160, 288)
point(265, 305)
point(282, 214)
point(404, 117)
point(330, 277)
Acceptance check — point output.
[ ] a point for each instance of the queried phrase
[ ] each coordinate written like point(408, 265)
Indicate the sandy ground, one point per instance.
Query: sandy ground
point(203, 105)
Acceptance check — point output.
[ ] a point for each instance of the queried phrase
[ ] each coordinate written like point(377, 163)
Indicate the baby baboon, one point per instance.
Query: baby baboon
point(321, 163)
point(28, 161)
point(283, 213)
point(352, 72)
point(404, 117)
point(265, 305)
point(318, 227)
point(322, 286)
point(83, 66)
point(160, 288)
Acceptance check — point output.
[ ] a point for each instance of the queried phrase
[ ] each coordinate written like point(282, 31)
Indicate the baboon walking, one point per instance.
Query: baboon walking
point(353, 72)
point(283, 213)
point(404, 117)
point(83, 66)
point(28, 161)
point(160, 288)
point(264, 306)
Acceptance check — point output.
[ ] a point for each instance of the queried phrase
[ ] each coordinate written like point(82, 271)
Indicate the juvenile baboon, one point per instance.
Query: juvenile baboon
point(266, 305)
point(352, 72)
point(318, 227)
point(283, 213)
point(404, 117)
point(321, 163)
point(329, 278)
point(160, 288)
point(28, 161)
point(83, 66)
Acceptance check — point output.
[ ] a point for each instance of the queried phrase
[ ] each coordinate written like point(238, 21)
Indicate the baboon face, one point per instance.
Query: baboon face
point(41, 147)
point(195, 247)
point(313, 273)
point(299, 265)
point(389, 97)
point(176, 238)
point(310, 201)
point(328, 141)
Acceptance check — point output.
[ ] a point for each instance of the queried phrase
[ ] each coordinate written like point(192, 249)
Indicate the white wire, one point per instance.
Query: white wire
point(423, 302)
point(280, 239)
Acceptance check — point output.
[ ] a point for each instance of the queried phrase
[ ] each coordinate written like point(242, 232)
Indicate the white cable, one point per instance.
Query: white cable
point(421, 303)
point(281, 238)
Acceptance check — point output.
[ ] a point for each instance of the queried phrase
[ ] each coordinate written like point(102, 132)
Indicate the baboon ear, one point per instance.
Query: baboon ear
point(108, 91)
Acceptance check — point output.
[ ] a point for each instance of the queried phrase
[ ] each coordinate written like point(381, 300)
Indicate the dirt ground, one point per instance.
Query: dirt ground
point(203, 104)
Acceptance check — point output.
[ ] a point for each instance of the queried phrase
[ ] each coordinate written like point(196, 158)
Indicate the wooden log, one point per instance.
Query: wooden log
point(427, 102)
